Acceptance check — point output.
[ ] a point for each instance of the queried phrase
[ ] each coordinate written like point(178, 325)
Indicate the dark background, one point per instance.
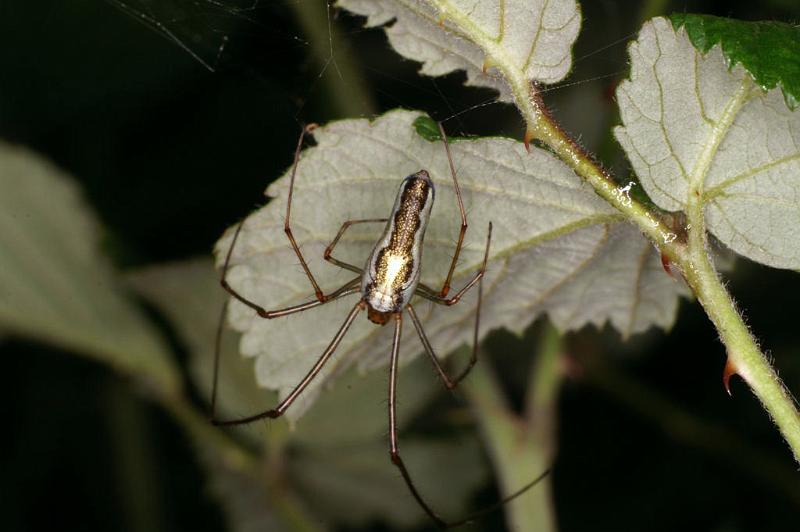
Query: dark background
point(170, 153)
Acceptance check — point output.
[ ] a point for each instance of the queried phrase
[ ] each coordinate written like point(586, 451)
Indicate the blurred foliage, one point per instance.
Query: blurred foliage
point(58, 287)
point(168, 154)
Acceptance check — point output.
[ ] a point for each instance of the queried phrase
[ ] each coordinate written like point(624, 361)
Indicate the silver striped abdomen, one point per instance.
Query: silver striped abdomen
point(392, 271)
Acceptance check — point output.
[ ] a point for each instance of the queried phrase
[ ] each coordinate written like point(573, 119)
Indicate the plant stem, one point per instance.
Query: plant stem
point(744, 356)
point(521, 448)
point(550, 133)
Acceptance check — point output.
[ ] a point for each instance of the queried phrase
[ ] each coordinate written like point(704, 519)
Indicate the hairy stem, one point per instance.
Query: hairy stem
point(744, 356)
point(542, 127)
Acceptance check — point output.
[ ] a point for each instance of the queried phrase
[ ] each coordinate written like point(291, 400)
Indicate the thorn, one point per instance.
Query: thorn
point(727, 373)
point(571, 367)
point(487, 64)
point(527, 139)
point(666, 264)
point(610, 91)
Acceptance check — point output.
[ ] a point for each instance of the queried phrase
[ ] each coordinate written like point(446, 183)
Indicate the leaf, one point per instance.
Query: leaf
point(353, 410)
point(56, 285)
point(248, 501)
point(189, 294)
point(687, 117)
point(531, 37)
point(447, 473)
point(556, 248)
point(767, 50)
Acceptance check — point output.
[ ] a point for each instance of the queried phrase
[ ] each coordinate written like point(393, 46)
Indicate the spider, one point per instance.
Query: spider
point(386, 285)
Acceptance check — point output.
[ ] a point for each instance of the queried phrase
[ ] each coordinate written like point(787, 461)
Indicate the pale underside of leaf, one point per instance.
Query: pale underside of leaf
point(556, 248)
point(56, 285)
point(687, 117)
point(534, 37)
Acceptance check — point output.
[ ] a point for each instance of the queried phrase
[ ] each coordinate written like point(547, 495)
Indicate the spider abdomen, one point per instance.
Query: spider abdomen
point(392, 271)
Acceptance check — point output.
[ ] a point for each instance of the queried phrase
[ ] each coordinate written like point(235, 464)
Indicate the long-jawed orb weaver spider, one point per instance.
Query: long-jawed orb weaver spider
point(390, 278)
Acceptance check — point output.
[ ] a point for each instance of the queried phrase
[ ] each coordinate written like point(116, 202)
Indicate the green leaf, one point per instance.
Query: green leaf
point(556, 248)
point(56, 285)
point(768, 50)
point(427, 129)
point(687, 118)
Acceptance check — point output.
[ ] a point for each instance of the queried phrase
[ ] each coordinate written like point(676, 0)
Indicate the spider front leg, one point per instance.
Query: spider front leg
point(287, 228)
point(446, 285)
point(348, 288)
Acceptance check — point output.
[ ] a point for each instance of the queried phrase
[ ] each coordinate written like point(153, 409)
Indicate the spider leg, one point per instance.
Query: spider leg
point(280, 409)
point(427, 293)
point(287, 226)
point(394, 449)
point(473, 359)
point(499, 504)
point(345, 290)
point(398, 461)
point(345, 226)
point(450, 383)
point(446, 286)
point(269, 314)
